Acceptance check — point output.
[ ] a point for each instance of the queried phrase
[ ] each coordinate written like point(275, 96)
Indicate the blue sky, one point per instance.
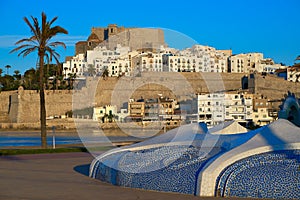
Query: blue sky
point(267, 26)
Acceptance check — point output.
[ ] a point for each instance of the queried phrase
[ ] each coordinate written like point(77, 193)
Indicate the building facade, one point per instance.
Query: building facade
point(216, 108)
point(104, 113)
point(211, 108)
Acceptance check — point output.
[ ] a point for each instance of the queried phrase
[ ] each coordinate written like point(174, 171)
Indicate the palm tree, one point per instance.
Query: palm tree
point(40, 41)
point(1, 71)
point(72, 77)
point(17, 74)
point(7, 67)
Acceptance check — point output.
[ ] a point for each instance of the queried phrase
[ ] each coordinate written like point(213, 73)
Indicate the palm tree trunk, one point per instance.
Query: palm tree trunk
point(42, 103)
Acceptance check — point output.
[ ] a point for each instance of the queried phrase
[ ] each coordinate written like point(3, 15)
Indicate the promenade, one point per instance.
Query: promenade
point(63, 176)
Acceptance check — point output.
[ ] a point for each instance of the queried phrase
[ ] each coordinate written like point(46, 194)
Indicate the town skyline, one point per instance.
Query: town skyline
point(269, 27)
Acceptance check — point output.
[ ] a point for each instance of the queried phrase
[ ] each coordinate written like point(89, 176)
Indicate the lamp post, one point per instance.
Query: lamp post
point(53, 136)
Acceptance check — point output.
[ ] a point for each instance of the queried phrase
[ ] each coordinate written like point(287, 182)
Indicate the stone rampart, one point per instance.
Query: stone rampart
point(24, 105)
point(272, 87)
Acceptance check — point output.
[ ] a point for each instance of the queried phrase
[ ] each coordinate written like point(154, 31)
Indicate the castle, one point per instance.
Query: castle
point(110, 36)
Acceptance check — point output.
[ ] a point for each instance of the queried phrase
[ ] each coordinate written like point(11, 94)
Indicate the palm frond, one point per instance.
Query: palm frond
point(31, 39)
point(22, 47)
point(27, 51)
point(53, 54)
point(55, 44)
point(32, 28)
point(53, 20)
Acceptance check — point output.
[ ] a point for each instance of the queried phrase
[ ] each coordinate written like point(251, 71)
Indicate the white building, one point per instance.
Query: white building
point(252, 62)
point(211, 108)
point(76, 65)
point(293, 73)
point(122, 115)
point(103, 113)
point(148, 62)
point(98, 59)
point(269, 66)
point(197, 59)
point(244, 63)
point(238, 106)
point(261, 116)
point(216, 108)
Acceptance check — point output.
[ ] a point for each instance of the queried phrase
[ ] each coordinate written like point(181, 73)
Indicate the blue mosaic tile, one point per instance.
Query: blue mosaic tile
point(176, 168)
point(269, 175)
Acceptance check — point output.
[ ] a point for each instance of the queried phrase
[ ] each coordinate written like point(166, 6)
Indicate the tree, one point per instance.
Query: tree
point(1, 71)
point(40, 41)
point(65, 68)
point(30, 79)
point(91, 70)
point(105, 73)
point(17, 74)
point(7, 69)
point(72, 77)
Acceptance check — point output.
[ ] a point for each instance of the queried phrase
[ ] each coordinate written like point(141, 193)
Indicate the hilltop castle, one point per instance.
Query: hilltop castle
point(110, 36)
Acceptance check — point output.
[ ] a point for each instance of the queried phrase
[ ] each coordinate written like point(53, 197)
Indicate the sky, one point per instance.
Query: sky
point(267, 26)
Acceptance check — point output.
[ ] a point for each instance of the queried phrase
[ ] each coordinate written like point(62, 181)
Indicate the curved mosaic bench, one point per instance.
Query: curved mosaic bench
point(268, 175)
point(175, 168)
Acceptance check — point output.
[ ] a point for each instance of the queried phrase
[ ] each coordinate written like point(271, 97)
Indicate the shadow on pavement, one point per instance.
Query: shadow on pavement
point(82, 169)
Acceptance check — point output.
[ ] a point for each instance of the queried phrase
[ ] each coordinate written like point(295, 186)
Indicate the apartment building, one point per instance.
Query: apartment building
point(244, 63)
point(262, 110)
point(75, 65)
point(238, 106)
point(216, 108)
point(136, 109)
point(211, 108)
point(198, 58)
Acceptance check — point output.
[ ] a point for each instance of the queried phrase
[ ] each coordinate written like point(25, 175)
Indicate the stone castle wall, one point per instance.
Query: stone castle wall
point(4, 100)
point(24, 105)
point(272, 87)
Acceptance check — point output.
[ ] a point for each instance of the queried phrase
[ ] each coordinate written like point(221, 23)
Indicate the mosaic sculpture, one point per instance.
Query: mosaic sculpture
point(264, 163)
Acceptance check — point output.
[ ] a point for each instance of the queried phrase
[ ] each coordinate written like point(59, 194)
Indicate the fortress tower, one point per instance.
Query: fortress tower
point(110, 36)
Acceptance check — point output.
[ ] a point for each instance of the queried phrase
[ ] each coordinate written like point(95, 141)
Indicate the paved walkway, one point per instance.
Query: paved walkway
point(63, 176)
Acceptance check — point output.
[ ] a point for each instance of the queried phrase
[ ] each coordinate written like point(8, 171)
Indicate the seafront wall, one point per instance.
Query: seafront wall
point(5, 105)
point(4, 100)
point(22, 106)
